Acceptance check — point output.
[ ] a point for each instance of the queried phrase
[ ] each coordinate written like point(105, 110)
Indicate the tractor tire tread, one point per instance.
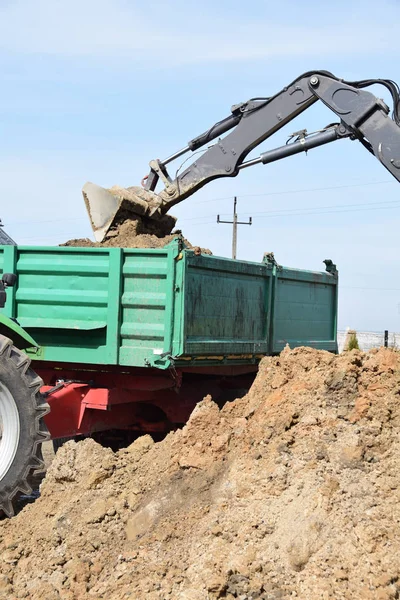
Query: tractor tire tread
point(19, 363)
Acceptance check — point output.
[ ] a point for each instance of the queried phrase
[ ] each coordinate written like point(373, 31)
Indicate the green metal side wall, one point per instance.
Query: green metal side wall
point(147, 306)
point(67, 299)
point(227, 305)
point(305, 310)
point(156, 307)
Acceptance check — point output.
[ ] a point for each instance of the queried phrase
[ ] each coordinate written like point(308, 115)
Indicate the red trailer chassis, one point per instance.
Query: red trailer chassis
point(84, 400)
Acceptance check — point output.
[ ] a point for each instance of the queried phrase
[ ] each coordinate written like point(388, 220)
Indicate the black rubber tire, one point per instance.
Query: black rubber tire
point(24, 386)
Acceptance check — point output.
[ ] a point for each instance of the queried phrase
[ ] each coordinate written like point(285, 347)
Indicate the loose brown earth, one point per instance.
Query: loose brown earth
point(290, 491)
point(135, 233)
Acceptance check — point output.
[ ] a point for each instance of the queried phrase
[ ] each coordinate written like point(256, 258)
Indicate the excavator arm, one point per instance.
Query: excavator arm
point(362, 116)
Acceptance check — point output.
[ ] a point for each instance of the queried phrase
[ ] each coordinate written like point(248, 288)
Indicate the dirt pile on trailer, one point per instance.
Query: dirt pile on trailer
point(291, 491)
point(135, 233)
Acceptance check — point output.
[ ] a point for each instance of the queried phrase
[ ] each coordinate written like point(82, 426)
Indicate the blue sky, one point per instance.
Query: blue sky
point(93, 90)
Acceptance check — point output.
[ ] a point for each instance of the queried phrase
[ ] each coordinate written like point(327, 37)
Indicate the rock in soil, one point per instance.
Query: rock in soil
point(290, 491)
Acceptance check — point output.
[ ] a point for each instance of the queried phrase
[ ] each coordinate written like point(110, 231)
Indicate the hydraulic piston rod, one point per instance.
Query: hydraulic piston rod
point(302, 145)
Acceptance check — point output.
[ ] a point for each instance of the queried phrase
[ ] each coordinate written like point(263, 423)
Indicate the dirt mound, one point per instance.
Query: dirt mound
point(291, 491)
point(130, 231)
point(135, 233)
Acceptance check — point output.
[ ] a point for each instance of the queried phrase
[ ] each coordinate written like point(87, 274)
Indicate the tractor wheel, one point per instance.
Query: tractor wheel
point(22, 428)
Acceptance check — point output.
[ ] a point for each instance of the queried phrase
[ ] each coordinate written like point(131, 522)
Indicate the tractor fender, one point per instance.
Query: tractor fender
point(16, 333)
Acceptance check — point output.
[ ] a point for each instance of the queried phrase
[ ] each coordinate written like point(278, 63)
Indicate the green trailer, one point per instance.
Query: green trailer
point(164, 307)
point(128, 340)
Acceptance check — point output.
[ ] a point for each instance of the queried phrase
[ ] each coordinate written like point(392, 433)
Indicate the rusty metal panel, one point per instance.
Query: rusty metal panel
point(305, 310)
point(227, 307)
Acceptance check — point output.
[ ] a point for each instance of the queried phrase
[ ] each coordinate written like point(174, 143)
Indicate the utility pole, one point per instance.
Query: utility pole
point(235, 223)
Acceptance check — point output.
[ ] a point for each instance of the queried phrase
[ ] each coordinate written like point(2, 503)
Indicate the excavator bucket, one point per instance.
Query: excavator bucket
point(109, 207)
point(102, 207)
point(106, 207)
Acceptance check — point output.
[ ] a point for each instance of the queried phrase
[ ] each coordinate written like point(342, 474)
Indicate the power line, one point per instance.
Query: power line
point(54, 236)
point(280, 193)
point(347, 206)
point(327, 212)
point(284, 212)
point(378, 289)
point(46, 221)
point(312, 210)
point(299, 191)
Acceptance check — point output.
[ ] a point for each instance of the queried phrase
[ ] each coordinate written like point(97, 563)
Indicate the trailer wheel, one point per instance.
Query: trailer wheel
point(22, 428)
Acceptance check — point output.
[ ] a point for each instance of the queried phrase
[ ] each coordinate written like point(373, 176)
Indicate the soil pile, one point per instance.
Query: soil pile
point(134, 231)
point(133, 234)
point(291, 491)
point(130, 233)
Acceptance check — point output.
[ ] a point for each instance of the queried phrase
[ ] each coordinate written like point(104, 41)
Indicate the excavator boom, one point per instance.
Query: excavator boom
point(362, 116)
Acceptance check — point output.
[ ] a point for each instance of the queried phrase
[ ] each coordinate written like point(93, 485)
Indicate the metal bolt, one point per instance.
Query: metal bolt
point(314, 80)
point(227, 168)
point(170, 190)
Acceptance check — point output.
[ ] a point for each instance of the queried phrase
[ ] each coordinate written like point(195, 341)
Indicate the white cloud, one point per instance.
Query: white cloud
point(114, 29)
